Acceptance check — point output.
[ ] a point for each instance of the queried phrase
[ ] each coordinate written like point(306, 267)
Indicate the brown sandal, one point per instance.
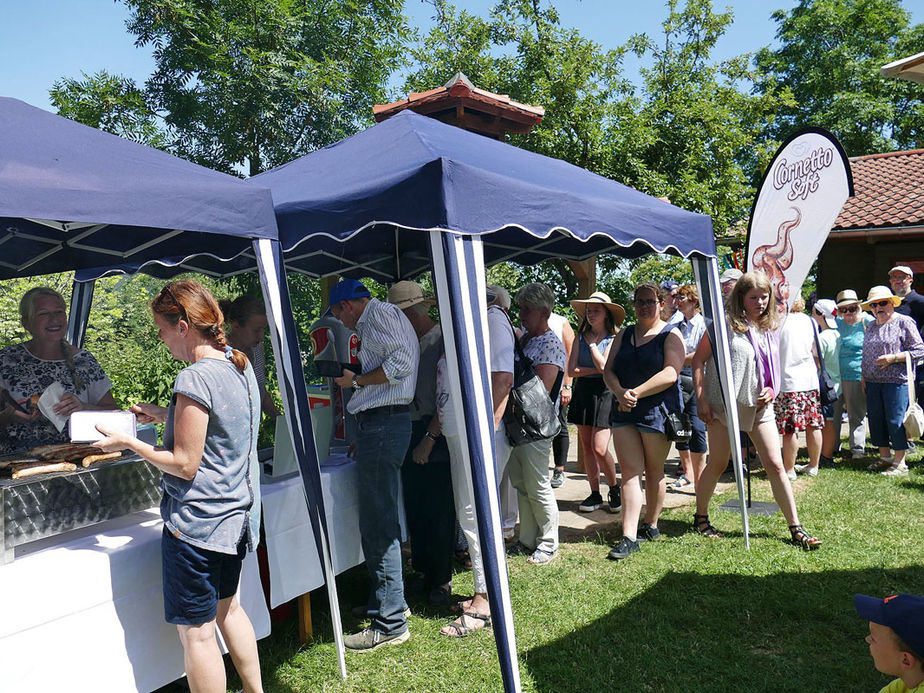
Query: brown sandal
point(702, 525)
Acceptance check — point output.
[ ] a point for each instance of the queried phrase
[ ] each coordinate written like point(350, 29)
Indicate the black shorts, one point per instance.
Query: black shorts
point(591, 403)
point(195, 580)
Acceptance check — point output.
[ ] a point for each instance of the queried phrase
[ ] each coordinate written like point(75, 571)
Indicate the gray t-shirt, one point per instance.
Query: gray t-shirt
point(221, 505)
point(431, 348)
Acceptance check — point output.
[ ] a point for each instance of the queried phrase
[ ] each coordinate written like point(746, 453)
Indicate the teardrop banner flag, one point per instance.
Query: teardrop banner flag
point(799, 198)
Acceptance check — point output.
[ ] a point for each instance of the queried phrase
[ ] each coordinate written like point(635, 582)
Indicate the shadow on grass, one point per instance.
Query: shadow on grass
point(693, 632)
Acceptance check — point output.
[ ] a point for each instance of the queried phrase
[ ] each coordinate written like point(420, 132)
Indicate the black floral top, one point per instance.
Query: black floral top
point(24, 375)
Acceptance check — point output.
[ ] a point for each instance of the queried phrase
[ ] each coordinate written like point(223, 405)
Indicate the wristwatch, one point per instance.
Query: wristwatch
point(565, 387)
point(432, 436)
point(356, 385)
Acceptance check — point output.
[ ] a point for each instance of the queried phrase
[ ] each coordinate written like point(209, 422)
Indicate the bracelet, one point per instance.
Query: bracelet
point(432, 436)
point(356, 385)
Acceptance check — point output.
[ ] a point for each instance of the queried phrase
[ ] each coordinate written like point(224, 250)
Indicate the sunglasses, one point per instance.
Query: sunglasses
point(880, 304)
point(179, 306)
point(851, 309)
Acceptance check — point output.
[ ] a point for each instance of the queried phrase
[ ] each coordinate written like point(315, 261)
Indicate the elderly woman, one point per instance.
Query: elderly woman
point(591, 404)
point(851, 325)
point(211, 485)
point(692, 328)
point(889, 340)
point(529, 462)
point(642, 372)
point(27, 369)
point(755, 361)
point(246, 316)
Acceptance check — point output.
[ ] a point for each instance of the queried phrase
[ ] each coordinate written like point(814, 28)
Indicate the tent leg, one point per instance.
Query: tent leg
point(81, 301)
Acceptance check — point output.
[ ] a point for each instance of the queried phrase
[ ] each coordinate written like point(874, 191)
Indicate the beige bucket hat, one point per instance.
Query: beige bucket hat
point(880, 293)
point(599, 298)
point(405, 294)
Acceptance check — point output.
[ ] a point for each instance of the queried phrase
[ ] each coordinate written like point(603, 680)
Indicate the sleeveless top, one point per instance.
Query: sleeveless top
point(633, 365)
point(585, 360)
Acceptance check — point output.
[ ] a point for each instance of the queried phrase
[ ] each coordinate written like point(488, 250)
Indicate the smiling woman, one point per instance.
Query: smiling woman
point(27, 369)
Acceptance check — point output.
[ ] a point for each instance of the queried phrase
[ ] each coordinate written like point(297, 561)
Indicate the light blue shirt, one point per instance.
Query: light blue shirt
point(692, 331)
point(386, 339)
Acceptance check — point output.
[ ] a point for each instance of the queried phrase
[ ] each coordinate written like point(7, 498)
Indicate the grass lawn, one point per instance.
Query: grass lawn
point(685, 614)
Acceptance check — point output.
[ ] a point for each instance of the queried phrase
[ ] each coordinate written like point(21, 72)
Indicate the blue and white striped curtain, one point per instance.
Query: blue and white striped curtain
point(458, 275)
point(297, 412)
point(81, 300)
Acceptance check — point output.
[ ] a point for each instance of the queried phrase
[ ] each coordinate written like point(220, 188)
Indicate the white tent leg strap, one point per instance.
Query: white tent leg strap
point(706, 273)
point(295, 400)
point(458, 274)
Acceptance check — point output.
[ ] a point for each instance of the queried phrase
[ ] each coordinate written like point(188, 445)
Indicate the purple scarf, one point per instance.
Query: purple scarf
point(765, 359)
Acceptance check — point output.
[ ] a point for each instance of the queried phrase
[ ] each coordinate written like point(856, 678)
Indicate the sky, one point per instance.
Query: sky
point(44, 40)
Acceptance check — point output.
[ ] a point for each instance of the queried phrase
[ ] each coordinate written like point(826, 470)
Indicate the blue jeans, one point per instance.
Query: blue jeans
point(381, 443)
point(886, 404)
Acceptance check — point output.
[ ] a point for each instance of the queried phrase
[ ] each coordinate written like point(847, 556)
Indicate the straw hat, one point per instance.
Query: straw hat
point(880, 293)
point(406, 294)
point(847, 297)
point(617, 312)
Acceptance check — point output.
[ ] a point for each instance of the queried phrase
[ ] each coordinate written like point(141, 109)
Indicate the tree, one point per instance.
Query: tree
point(111, 103)
point(826, 70)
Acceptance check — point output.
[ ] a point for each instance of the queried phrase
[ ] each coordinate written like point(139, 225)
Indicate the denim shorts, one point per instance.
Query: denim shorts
point(195, 580)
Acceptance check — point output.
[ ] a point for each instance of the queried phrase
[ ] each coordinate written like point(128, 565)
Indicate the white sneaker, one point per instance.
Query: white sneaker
point(806, 469)
point(791, 474)
point(900, 469)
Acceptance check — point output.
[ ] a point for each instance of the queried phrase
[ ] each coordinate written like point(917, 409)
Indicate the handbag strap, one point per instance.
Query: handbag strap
point(912, 399)
point(518, 348)
point(822, 369)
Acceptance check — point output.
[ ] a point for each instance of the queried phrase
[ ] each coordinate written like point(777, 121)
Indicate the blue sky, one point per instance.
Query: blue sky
point(44, 40)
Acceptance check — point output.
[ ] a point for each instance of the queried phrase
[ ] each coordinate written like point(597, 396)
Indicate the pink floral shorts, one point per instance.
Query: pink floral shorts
point(796, 411)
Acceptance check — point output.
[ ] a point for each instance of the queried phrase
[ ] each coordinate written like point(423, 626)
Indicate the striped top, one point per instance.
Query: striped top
point(386, 339)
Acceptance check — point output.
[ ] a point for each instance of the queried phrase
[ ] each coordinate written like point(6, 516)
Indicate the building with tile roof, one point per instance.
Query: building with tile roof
point(881, 226)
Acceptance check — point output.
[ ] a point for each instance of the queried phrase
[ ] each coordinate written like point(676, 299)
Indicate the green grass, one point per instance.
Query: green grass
point(685, 614)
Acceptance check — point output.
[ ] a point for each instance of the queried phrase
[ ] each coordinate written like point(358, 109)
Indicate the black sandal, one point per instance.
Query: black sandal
point(702, 525)
point(460, 629)
point(803, 539)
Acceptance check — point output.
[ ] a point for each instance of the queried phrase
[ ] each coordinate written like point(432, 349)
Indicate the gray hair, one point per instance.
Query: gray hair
point(502, 296)
point(537, 295)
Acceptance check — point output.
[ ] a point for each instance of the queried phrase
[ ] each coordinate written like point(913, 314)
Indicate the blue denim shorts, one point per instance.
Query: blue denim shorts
point(195, 580)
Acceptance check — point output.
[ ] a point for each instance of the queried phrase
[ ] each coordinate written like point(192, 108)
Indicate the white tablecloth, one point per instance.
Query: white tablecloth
point(84, 611)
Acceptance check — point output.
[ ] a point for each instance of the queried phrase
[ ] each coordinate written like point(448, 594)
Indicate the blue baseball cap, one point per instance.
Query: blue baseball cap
point(903, 613)
point(347, 290)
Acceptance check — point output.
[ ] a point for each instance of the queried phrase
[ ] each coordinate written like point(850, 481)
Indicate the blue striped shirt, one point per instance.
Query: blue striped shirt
point(386, 339)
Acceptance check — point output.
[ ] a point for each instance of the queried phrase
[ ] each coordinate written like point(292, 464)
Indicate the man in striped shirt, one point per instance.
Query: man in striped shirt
point(382, 393)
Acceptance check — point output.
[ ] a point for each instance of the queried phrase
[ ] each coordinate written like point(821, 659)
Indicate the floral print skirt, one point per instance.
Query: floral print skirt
point(796, 411)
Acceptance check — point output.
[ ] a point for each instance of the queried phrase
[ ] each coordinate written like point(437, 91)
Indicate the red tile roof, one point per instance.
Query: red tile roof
point(889, 191)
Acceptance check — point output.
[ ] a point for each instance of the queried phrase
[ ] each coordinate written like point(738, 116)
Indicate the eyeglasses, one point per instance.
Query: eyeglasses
point(880, 304)
point(851, 309)
point(644, 303)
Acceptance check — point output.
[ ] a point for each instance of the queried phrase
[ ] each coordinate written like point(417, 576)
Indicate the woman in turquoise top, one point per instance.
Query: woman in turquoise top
point(591, 404)
point(851, 323)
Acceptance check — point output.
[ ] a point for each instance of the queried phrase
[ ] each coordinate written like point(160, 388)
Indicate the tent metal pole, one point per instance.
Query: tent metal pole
point(298, 415)
point(706, 272)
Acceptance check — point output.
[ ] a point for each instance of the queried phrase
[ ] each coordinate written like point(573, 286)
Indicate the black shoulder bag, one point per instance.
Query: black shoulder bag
point(531, 414)
point(827, 393)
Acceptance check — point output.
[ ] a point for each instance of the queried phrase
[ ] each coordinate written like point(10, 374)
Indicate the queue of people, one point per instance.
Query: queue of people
point(625, 384)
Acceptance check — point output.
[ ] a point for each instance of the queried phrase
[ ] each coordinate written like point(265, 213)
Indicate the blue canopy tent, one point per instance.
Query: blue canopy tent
point(75, 198)
point(411, 194)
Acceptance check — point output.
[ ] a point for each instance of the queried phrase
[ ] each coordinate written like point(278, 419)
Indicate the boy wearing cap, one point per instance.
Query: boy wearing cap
point(896, 638)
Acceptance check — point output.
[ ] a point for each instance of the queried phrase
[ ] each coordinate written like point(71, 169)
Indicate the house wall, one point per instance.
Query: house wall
point(859, 265)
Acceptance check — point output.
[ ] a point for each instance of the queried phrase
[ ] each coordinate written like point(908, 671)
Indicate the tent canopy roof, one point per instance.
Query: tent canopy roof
point(356, 208)
point(74, 197)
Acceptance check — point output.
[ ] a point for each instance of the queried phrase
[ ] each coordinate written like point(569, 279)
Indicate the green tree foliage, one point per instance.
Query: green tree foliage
point(111, 103)
point(250, 85)
point(826, 73)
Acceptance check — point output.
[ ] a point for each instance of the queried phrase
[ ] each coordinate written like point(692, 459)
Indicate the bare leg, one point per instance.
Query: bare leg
point(719, 449)
point(205, 668)
point(697, 464)
point(605, 460)
point(829, 439)
point(899, 457)
point(813, 443)
point(656, 448)
point(627, 441)
point(790, 450)
point(591, 466)
point(686, 463)
point(238, 633)
point(767, 441)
